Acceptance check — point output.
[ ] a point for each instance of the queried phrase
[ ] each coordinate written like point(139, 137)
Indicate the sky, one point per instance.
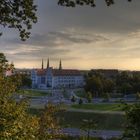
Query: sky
point(82, 37)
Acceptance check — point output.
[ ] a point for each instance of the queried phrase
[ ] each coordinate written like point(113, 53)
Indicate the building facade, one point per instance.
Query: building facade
point(49, 78)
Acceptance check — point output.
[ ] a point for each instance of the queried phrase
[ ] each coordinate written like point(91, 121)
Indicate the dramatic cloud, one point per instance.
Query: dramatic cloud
point(83, 37)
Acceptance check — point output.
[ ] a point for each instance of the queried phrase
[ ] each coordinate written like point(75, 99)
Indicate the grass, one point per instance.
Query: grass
point(72, 119)
point(100, 107)
point(80, 93)
point(32, 93)
point(104, 121)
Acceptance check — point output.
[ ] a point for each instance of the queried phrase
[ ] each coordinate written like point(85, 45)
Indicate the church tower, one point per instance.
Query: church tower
point(48, 64)
point(42, 64)
point(60, 65)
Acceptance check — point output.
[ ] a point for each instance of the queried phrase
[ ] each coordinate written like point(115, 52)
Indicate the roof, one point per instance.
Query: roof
point(41, 72)
point(66, 72)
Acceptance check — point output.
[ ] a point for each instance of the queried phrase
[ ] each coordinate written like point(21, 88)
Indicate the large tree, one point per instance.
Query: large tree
point(16, 123)
point(21, 14)
point(92, 3)
point(18, 14)
point(132, 127)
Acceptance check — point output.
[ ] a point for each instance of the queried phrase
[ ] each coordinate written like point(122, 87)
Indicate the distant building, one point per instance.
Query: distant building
point(23, 71)
point(49, 78)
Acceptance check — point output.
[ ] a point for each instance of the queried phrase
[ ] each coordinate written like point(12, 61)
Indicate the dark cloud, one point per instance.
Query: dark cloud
point(59, 38)
point(77, 33)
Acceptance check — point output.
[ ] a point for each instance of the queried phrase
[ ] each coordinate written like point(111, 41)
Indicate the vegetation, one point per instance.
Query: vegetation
point(26, 81)
point(105, 121)
point(73, 3)
point(33, 93)
point(97, 84)
point(18, 14)
point(21, 14)
point(15, 121)
point(100, 85)
point(80, 101)
point(88, 125)
point(132, 128)
point(100, 107)
point(73, 99)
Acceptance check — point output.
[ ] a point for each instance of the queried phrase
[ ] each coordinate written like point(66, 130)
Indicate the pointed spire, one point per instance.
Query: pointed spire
point(42, 64)
point(48, 64)
point(60, 65)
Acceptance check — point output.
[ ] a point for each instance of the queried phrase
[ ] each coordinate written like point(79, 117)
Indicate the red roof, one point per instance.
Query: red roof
point(57, 72)
point(41, 72)
point(66, 72)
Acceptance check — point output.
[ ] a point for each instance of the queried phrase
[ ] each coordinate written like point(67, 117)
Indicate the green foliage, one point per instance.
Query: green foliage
point(48, 123)
point(18, 14)
point(124, 82)
point(15, 121)
point(132, 129)
point(137, 96)
point(33, 93)
point(73, 3)
point(106, 97)
point(100, 107)
point(88, 125)
point(106, 121)
point(3, 64)
point(73, 99)
point(89, 97)
point(80, 101)
point(26, 81)
point(97, 84)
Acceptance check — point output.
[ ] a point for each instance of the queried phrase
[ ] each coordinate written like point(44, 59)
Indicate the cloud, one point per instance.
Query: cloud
point(60, 38)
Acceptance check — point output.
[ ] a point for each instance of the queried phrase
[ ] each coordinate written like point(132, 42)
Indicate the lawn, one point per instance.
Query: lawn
point(100, 107)
point(105, 121)
point(32, 93)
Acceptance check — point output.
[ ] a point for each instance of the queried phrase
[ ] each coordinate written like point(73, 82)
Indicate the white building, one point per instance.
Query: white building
point(50, 78)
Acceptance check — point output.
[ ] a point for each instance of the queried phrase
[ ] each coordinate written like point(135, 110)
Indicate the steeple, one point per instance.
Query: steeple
point(42, 64)
point(60, 65)
point(48, 63)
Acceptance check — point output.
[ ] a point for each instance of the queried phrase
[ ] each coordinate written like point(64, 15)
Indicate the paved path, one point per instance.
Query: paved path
point(93, 133)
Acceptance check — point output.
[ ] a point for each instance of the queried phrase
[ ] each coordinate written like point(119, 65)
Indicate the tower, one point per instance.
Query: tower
point(60, 65)
point(48, 63)
point(42, 64)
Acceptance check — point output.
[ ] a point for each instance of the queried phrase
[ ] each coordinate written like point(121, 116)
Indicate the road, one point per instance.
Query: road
point(93, 133)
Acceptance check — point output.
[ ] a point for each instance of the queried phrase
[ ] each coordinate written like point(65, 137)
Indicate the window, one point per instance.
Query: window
point(42, 80)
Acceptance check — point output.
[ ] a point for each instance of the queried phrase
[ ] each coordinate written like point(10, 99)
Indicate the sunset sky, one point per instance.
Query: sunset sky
point(82, 37)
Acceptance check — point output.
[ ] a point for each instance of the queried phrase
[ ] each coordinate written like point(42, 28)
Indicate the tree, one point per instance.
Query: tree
point(94, 85)
point(89, 97)
point(3, 64)
point(73, 3)
point(73, 99)
point(88, 125)
point(48, 123)
point(15, 121)
point(80, 101)
point(26, 81)
point(132, 129)
point(18, 14)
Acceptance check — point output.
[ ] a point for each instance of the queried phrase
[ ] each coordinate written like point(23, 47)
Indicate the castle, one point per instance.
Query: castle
point(49, 78)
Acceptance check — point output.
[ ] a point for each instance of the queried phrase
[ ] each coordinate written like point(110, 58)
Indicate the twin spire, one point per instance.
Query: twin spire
point(48, 64)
